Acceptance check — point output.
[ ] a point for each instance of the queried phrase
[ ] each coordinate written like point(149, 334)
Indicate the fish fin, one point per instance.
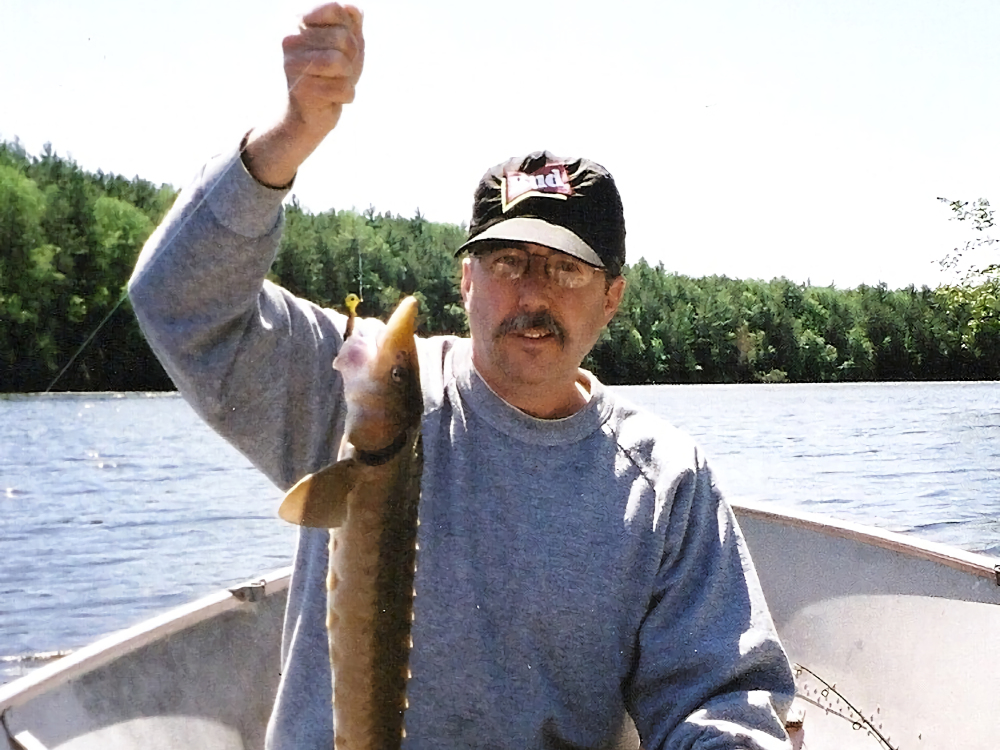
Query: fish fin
point(320, 500)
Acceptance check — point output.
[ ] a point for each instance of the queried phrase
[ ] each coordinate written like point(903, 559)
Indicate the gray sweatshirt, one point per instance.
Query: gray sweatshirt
point(574, 575)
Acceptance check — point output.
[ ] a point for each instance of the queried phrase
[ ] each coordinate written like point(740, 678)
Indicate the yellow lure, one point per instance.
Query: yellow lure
point(351, 302)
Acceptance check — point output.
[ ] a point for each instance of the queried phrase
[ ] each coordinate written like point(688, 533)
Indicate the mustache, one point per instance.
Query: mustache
point(527, 321)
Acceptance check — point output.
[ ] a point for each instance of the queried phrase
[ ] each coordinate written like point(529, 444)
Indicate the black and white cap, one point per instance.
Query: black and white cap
point(567, 204)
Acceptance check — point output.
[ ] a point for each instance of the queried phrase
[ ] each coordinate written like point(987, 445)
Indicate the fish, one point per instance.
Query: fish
point(369, 500)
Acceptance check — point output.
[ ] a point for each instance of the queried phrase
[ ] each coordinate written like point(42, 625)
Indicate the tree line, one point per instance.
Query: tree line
point(69, 240)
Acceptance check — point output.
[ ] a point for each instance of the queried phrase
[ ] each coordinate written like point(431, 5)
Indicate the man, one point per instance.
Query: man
point(578, 570)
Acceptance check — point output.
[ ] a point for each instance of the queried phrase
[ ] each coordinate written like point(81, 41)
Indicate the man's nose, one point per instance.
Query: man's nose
point(534, 285)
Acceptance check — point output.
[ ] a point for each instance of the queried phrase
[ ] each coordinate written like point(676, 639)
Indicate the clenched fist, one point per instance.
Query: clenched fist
point(323, 63)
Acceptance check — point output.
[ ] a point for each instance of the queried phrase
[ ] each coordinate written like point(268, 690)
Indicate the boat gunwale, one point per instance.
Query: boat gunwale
point(972, 563)
point(129, 640)
point(123, 642)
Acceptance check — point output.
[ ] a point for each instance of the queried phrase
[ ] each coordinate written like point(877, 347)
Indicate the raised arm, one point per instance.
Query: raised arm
point(252, 359)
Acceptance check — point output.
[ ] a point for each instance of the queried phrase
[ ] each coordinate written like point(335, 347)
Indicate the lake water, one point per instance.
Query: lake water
point(117, 507)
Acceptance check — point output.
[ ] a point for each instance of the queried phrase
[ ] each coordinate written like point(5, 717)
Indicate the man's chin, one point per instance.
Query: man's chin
point(530, 361)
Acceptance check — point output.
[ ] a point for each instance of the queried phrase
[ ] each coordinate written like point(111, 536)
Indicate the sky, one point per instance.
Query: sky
point(808, 139)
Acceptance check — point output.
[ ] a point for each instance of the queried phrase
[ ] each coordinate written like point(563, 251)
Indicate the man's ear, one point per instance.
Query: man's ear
point(466, 281)
point(613, 298)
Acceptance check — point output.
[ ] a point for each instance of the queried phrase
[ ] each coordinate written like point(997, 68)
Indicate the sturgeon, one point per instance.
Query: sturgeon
point(368, 499)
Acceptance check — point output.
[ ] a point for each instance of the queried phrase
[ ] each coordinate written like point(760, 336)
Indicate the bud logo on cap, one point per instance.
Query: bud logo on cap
point(552, 181)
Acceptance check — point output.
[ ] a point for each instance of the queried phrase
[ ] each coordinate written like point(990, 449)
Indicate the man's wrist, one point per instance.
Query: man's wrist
point(252, 168)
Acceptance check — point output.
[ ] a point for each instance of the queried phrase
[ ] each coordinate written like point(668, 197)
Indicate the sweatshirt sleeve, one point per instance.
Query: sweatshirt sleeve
point(252, 359)
point(710, 671)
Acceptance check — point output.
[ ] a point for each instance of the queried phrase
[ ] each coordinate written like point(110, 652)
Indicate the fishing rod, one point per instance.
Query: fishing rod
point(822, 698)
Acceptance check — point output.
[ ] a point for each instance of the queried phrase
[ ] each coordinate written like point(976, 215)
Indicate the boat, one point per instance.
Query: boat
point(893, 641)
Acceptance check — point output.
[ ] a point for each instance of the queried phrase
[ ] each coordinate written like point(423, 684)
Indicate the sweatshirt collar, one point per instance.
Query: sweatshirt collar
point(485, 403)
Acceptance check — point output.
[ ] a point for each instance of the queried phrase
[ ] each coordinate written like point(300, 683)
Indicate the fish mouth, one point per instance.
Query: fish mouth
point(381, 381)
point(401, 327)
point(533, 327)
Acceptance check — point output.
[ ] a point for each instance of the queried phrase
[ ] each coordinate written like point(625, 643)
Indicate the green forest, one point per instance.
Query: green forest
point(69, 239)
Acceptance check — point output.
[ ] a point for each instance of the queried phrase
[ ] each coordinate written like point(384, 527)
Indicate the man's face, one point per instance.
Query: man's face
point(531, 331)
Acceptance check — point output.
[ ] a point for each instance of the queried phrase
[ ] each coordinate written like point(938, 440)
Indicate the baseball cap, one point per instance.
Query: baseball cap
point(567, 204)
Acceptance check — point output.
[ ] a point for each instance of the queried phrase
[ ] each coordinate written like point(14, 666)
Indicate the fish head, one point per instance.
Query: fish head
point(382, 381)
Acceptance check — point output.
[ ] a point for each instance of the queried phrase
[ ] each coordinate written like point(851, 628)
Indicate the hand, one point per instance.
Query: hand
point(323, 63)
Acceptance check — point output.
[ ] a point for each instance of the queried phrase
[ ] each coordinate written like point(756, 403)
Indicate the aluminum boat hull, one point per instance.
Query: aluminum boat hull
point(895, 641)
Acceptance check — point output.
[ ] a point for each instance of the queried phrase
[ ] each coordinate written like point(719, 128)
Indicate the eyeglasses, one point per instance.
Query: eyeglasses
point(512, 263)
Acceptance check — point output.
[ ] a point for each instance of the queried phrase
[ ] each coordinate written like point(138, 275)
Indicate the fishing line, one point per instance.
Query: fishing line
point(160, 249)
point(87, 341)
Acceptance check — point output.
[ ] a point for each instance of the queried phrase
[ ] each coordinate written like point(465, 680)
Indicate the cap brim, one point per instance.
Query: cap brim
point(540, 232)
